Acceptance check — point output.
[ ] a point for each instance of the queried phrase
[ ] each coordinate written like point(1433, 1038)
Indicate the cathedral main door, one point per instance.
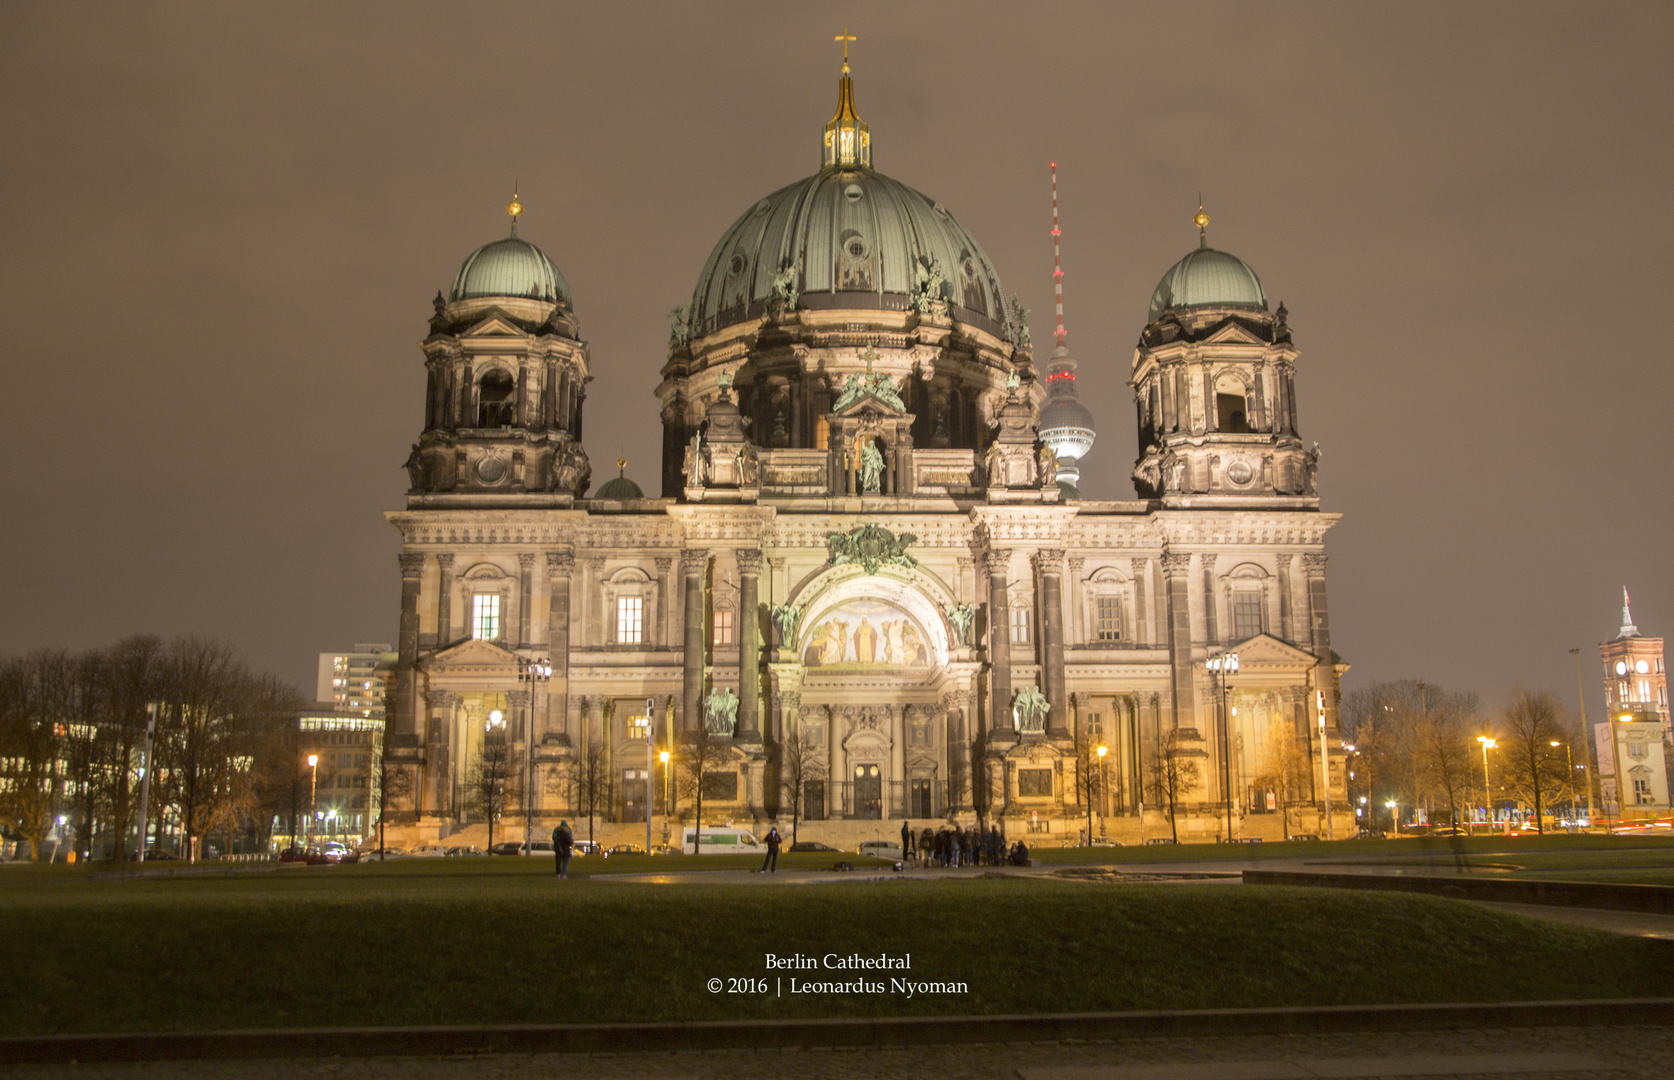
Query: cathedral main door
point(868, 792)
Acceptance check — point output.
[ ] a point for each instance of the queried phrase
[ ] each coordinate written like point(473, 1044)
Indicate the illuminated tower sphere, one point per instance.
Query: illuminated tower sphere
point(1065, 424)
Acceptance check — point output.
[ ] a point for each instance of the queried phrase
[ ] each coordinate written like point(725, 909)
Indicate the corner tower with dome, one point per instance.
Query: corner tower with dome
point(868, 589)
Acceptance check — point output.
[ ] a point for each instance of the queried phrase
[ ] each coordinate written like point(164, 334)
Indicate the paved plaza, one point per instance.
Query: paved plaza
point(1582, 1053)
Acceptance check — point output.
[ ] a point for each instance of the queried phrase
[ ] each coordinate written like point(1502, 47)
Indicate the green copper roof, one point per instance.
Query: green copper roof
point(510, 267)
point(1208, 278)
point(619, 488)
point(855, 239)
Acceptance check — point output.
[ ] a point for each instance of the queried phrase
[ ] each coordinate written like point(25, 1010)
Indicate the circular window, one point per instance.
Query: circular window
point(856, 247)
point(853, 192)
point(1621, 667)
point(1239, 472)
point(736, 266)
point(1642, 667)
point(491, 470)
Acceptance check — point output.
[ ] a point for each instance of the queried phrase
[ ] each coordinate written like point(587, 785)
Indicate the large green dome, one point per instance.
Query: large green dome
point(511, 267)
point(853, 239)
point(1208, 278)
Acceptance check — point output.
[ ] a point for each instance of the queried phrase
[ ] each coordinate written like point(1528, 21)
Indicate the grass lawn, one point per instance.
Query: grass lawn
point(500, 941)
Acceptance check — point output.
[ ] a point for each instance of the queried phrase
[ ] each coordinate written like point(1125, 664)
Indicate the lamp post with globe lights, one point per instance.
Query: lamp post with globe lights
point(1104, 795)
point(313, 792)
point(668, 795)
point(534, 673)
point(1487, 792)
point(1222, 665)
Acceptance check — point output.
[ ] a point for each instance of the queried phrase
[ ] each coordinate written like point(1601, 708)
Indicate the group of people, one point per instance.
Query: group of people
point(970, 846)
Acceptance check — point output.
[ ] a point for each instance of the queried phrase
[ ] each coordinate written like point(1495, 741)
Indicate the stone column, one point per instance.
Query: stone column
point(1325, 676)
point(1211, 632)
point(693, 562)
point(997, 560)
point(1076, 632)
point(1286, 630)
point(1141, 631)
point(444, 602)
point(958, 762)
point(896, 723)
point(749, 646)
point(525, 596)
point(405, 731)
point(1175, 568)
point(665, 594)
point(434, 793)
point(592, 593)
point(559, 564)
point(1050, 565)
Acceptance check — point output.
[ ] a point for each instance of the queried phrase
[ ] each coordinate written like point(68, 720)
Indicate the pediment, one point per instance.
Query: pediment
point(496, 324)
point(471, 657)
point(1268, 652)
point(865, 402)
point(1233, 332)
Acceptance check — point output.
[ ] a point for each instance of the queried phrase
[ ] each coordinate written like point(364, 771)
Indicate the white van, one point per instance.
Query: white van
point(721, 842)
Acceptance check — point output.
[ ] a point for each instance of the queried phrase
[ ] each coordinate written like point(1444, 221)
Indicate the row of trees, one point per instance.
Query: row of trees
point(226, 749)
point(1416, 744)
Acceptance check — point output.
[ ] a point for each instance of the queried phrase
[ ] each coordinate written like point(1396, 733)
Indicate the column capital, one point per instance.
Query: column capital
point(1049, 561)
point(1209, 559)
point(1283, 559)
point(1076, 562)
point(749, 561)
point(1313, 563)
point(1138, 562)
point(526, 559)
point(1175, 563)
point(694, 561)
point(996, 560)
point(440, 699)
point(664, 563)
point(412, 563)
point(517, 697)
point(444, 559)
point(559, 562)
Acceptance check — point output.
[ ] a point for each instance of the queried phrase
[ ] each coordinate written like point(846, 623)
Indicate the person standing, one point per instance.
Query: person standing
point(907, 850)
point(771, 861)
point(563, 843)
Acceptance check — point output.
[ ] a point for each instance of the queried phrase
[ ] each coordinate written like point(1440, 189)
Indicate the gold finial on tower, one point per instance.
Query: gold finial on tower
point(514, 208)
point(622, 464)
point(1201, 220)
point(848, 141)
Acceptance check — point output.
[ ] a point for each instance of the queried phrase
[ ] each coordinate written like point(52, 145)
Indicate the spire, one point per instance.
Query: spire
point(848, 141)
point(1201, 220)
point(1628, 629)
point(514, 208)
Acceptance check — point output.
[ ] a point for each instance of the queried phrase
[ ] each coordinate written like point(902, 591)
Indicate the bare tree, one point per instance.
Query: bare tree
point(701, 758)
point(801, 760)
point(31, 729)
point(392, 786)
point(1089, 778)
point(1445, 753)
point(1170, 777)
point(130, 676)
point(490, 772)
point(1536, 730)
point(591, 779)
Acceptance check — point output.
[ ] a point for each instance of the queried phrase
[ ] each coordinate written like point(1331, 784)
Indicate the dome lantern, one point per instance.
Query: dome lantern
point(848, 141)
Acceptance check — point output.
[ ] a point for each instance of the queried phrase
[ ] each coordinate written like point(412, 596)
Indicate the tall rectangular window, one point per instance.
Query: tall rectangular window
point(630, 620)
point(1020, 625)
point(1109, 618)
point(723, 628)
point(485, 617)
point(1246, 615)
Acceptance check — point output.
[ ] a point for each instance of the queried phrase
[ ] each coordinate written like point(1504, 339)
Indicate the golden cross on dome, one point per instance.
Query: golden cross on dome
point(514, 207)
point(1201, 219)
point(845, 37)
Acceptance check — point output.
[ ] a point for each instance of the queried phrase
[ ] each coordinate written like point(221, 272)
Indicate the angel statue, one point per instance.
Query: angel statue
point(786, 617)
point(961, 616)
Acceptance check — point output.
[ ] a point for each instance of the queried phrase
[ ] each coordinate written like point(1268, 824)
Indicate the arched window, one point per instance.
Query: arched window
point(494, 399)
point(1231, 406)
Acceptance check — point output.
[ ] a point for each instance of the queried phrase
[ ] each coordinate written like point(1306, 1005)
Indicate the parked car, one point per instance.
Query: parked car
point(374, 854)
point(586, 847)
point(810, 845)
point(538, 847)
point(880, 849)
point(507, 847)
point(294, 853)
point(428, 851)
point(625, 849)
point(465, 851)
point(721, 842)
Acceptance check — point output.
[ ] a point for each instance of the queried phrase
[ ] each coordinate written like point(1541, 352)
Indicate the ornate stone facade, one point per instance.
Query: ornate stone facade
point(863, 564)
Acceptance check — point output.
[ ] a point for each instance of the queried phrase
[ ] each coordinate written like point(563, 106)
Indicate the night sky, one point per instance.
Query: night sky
point(222, 227)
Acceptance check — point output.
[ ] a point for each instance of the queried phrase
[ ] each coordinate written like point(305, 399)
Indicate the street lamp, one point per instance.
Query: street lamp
point(1103, 750)
point(313, 792)
point(650, 773)
point(1487, 793)
point(1569, 759)
point(1222, 665)
point(1394, 817)
point(534, 672)
point(668, 796)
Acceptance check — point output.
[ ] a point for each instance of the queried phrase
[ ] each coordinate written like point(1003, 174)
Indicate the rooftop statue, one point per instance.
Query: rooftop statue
point(874, 383)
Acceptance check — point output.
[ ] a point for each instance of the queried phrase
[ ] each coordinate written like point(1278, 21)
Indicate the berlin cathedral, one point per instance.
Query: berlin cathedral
point(868, 588)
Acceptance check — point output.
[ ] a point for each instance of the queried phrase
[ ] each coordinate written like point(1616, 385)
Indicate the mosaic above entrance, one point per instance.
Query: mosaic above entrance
point(866, 634)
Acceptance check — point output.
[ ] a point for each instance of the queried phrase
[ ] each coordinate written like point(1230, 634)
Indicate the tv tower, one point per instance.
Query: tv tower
point(1065, 424)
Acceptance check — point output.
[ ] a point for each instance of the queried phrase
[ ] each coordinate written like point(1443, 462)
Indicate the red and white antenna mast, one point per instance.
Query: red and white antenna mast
point(1059, 334)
